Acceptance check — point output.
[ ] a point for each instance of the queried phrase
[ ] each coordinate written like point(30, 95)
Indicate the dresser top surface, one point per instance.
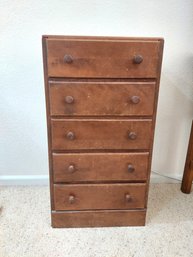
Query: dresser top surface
point(101, 38)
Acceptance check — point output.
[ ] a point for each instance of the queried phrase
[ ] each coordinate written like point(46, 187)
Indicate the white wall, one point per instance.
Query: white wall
point(23, 140)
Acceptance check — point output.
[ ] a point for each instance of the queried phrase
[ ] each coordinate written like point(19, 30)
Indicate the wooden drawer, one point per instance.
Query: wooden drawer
point(68, 134)
point(81, 167)
point(98, 218)
point(96, 58)
point(78, 98)
point(99, 196)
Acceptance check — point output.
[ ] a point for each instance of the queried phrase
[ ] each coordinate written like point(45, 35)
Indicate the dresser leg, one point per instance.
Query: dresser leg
point(188, 170)
point(187, 179)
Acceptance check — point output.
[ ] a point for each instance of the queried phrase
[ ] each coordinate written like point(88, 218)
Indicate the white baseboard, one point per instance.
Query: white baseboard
point(41, 180)
point(156, 178)
point(24, 180)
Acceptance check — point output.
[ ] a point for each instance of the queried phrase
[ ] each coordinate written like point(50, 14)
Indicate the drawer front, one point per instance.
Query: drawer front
point(101, 98)
point(101, 134)
point(81, 167)
point(102, 58)
point(101, 196)
point(99, 218)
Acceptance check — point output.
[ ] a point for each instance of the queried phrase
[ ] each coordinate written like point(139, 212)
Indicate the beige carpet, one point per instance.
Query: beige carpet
point(25, 228)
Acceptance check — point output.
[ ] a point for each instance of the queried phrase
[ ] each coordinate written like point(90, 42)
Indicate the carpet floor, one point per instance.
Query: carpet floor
point(25, 229)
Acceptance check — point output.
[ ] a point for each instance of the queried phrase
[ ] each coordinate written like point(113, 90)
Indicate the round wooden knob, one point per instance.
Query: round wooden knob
point(132, 135)
point(69, 99)
point(128, 197)
point(70, 135)
point(71, 168)
point(130, 168)
point(71, 199)
point(135, 99)
point(138, 59)
point(68, 58)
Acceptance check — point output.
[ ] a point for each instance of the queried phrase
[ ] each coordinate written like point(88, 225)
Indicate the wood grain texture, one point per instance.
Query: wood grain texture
point(100, 167)
point(100, 134)
point(46, 87)
point(188, 169)
point(102, 58)
point(101, 98)
point(102, 218)
point(99, 196)
point(154, 115)
point(88, 83)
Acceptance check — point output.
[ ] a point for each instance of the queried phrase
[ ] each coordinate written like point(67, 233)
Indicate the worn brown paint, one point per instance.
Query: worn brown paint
point(101, 98)
point(100, 134)
point(93, 167)
point(98, 218)
point(100, 58)
point(99, 196)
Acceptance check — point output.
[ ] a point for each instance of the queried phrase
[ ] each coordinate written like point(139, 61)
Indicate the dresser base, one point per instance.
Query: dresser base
point(102, 218)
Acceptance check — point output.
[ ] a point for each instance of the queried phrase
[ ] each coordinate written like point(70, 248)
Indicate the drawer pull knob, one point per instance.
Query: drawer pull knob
point(71, 168)
point(71, 199)
point(69, 99)
point(135, 99)
point(70, 135)
point(128, 197)
point(68, 58)
point(132, 135)
point(138, 59)
point(131, 168)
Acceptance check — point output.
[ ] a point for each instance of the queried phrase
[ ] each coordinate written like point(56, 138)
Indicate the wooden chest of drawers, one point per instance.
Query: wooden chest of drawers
point(101, 97)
